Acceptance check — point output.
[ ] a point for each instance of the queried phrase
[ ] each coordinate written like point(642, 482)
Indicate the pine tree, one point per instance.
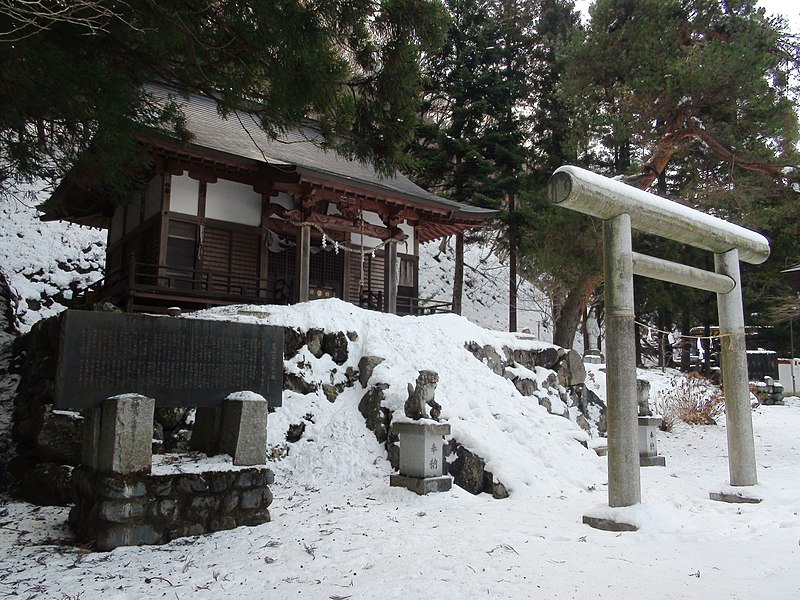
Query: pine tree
point(472, 145)
point(71, 83)
point(560, 249)
point(692, 98)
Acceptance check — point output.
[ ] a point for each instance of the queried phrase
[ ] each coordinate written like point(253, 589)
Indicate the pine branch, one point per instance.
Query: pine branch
point(680, 134)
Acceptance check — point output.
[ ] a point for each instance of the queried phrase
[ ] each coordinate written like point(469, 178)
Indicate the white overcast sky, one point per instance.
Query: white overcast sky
point(788, 8)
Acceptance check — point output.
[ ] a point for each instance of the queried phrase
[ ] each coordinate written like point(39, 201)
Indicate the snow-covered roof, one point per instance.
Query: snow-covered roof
point(240, 134)
point(793, 276)
point(239, 137)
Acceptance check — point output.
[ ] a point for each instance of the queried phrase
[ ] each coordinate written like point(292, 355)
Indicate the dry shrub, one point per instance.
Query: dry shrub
point(663, 408)
point(693, 400)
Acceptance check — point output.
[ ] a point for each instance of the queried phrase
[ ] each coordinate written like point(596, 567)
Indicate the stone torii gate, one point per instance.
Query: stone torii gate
point(622, 208)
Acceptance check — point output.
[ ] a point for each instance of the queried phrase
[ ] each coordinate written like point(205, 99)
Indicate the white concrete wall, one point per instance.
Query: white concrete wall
point(367, 241)
point(785, 375)
point(283, 199)
point(184, 194)
point(408, 246)
point(233, 202)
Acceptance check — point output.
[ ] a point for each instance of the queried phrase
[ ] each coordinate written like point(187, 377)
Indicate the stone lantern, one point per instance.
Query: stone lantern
point(422, 457)
point(648, 442)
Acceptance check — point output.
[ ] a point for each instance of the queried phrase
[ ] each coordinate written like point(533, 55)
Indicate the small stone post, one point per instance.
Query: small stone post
point(244, 428)
point(648, 442)
point(118, 436)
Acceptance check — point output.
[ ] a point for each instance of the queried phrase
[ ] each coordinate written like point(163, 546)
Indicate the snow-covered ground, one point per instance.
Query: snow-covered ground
point(339, 531)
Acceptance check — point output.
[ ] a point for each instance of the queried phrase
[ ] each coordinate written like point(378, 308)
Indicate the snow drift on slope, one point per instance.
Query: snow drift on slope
point(524, 446)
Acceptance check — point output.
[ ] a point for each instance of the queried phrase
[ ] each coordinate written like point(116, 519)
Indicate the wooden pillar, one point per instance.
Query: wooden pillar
point(303, 262)
point(263, 252)
point(390, 278)
point(131, 291)
point(458, 275)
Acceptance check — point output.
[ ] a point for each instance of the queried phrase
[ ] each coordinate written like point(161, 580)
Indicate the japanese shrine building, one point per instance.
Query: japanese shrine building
point(234, 216)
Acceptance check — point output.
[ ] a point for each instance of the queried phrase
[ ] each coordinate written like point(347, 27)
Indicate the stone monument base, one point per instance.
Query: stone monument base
point(422, 485)
point(652, 461)
point(608, 524)
point(734, 497)
point(114, 510)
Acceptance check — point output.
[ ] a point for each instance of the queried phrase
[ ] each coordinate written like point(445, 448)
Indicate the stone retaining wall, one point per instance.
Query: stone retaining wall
point(129, 510)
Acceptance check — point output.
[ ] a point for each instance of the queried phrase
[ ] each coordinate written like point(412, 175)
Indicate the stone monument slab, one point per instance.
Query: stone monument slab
point(177, 361)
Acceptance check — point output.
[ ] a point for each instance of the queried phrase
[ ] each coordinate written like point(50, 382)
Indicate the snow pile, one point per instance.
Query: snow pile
point(45, 263)
point(526, 448)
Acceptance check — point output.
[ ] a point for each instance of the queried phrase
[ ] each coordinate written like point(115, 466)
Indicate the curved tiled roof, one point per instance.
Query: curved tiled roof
point(240, 134)
point(237, 137)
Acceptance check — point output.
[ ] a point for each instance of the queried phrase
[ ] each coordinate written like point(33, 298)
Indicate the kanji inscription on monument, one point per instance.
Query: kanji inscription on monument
point(179, 362)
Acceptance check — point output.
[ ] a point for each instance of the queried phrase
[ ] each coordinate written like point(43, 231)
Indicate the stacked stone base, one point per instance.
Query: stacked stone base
point(652, 461)
point(422, 485)
point(134, 509)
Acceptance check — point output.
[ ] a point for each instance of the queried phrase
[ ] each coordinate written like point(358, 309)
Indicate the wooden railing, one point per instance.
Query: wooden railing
point(406, 305)
point(149, 278)
point(167, 281)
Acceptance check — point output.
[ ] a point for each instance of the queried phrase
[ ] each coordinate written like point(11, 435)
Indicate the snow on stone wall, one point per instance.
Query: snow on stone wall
point(45, 263)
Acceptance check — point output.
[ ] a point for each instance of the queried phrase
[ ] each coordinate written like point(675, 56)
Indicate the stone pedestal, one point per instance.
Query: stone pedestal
point(118, 436)
point(244, 428)
point(113, 510)
point(421, 458)
point(606, 524)
point(648, 442)
point(735, 497)
point(238, 428)
point(593, 356)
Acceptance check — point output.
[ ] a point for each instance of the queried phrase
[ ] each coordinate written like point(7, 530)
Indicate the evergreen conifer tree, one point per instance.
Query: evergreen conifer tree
point(472, 144)
point(693, 99)
point(71, 79)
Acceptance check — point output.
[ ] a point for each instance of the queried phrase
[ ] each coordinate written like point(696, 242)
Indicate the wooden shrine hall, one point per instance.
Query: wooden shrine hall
point(234, 216)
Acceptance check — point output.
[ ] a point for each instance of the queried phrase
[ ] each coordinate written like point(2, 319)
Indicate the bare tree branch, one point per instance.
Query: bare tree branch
point(29, 17)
